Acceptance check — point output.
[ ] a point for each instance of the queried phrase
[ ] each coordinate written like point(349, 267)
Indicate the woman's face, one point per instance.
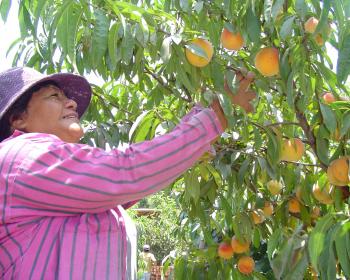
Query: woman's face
point(50, 111)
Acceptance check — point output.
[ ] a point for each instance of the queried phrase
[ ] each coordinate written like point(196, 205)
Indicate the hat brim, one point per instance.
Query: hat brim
point(74, 86)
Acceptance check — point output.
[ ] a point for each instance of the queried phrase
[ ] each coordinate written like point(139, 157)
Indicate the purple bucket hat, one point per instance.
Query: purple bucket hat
point(16, 81)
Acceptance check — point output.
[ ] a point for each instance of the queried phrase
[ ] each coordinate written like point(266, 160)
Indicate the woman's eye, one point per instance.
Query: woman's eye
point(55, 94)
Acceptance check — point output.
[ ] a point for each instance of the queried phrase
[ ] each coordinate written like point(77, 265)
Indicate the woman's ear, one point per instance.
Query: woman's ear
point(19, 122)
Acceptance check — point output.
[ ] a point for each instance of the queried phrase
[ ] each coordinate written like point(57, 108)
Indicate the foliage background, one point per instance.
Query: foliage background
point(158, 230)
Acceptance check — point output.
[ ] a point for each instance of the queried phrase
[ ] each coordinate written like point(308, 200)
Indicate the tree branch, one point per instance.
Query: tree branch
point(308, 132)
point(161, 82)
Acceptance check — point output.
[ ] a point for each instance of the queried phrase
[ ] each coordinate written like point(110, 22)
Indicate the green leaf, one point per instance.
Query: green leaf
point(243, 170)
point(317, 238)
point(253, 26)
point(285, 68)
point(273, 242)
point(323, 22)
point(298, 271)
point(225, 103)
point(256, 237)
point(339, 11)
point(113, 48)
point(192, 184)
point(198, 6)
point(139, 130)
point(273, 148)
point(128, 44)
point(277, 8)
point(280, 262)
point(99, 37)
point(215, 174)
point(301, 8)
point(343, 62)
point(268, 10)
point(341, 247)
point(345, 124)
point(327, 262)
point(185, 80)
point(40, 6)
point(185, 5)
point(322, 149)
point(54, 24)
point(179, 268)
point(4, 9)
point(25, 24)
point(287, 26)
point(329, 117)
point(67, 29)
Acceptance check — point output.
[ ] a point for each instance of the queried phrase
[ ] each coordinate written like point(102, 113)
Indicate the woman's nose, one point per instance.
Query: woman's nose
point(70, 103)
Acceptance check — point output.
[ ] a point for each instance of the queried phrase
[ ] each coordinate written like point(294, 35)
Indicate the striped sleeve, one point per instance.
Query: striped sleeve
point(62, 178)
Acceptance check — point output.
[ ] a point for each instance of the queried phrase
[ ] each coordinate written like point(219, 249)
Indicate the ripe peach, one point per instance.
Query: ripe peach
point(231, 41)
point(257, 217)
point(292, 149)
point(316, 211)
point(246, 265)
point(338, 172)
point(267, 61)
point(294, 205)
point(274, 187)
point(239, 247)
point(328, 97)
point(225, 251)
point(323, 195)
point(319, 39)
point(311, 25)
point(197, 60)
point(268, 209)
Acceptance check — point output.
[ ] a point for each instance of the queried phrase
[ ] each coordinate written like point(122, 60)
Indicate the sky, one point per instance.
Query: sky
point(9, 32)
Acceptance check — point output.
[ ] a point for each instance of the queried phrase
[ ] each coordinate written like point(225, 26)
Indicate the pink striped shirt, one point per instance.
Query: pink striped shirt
point(56, 198)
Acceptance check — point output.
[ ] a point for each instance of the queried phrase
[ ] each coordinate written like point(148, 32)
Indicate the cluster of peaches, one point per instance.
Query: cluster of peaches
point(266, 60)
point(292, 150)
point(226, 251)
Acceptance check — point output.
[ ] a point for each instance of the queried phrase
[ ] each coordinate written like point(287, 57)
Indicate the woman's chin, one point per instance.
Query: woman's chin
point(75, 132)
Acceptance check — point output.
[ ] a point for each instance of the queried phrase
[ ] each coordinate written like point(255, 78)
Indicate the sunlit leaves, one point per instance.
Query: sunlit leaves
point(67, 29)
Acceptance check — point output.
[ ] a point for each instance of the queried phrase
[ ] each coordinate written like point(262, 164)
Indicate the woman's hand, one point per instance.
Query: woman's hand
point(242, 97)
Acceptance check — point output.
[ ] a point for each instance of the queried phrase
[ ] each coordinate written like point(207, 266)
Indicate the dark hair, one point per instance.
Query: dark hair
point(19, 107)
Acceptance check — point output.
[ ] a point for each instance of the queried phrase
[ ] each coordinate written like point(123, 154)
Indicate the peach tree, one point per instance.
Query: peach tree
point(278, 180)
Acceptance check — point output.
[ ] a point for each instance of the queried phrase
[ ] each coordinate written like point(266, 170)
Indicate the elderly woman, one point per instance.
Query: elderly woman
point(62, 203)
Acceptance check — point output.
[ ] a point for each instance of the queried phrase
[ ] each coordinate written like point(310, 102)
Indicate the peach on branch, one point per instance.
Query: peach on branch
point(338, 171)
point(292, 149)
point(328, 97)
point(294, 205)
point(323, 195)
point(274, 187)
point(231, 41)
point(268, 209)
point(310, 25)
point(257, 216)
point(239, 247)
point(267, 61)
point(196, 59)
point(225, 251)
point(246, 265)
